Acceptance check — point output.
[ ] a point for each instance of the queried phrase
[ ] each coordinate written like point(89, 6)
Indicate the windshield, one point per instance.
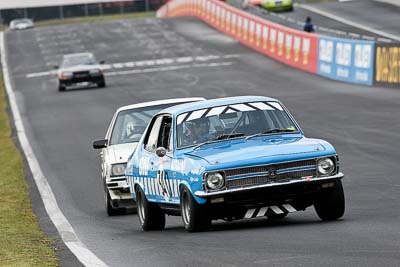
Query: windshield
point(130, 124)
point(244, 120)
point(20, 21)
point(71, 61)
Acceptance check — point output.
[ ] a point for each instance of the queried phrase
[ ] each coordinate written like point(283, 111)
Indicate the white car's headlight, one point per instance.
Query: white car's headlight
point(214, 180)
point(325, 166)
point(118, 169)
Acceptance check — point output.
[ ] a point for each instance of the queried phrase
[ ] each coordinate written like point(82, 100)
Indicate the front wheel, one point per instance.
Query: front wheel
point(331, 205)
point(151, 217)
point(194, 216)
point(111, 211)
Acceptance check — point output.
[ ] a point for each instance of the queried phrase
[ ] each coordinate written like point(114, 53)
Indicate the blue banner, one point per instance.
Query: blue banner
point(346, 60)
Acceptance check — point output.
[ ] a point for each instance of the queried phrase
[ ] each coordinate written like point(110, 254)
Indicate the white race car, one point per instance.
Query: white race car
point(21, 24)
point(123, 134)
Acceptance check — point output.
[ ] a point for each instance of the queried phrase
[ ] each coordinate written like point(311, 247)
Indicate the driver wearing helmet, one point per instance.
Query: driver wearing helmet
point(197, 131)
point(134, 128)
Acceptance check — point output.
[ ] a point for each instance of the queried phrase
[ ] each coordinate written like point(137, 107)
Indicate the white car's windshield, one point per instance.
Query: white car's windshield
point(221, 123)
point(20, 21)
point(77, 60)
point(130, 124)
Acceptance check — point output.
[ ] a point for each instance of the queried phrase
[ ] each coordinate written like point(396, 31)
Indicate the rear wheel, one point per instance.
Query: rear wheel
point(194, 216)
point(61, 87)
point(331, 205)
point(151, 217)
point(102, 84)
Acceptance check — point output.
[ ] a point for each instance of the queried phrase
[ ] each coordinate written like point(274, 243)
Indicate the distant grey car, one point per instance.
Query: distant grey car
point(80, 68)
point(21, 24)
point(123, 134)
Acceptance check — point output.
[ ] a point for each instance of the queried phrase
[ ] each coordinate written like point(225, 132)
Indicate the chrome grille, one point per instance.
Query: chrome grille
point(260, 174)
point(265, 168)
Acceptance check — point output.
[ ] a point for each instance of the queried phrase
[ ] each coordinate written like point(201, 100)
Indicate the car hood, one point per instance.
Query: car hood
point(261, 147)
point(121, 152)
point(81, 68)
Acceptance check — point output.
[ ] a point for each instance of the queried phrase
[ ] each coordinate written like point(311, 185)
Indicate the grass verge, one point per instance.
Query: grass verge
point(22, 243)
point(94, 19)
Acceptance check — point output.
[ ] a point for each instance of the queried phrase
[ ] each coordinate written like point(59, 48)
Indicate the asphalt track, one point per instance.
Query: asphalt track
point(378, 16)
point(362, 122)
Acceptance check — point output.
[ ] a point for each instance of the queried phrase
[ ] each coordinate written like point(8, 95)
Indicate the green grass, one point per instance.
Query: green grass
point(22, 243)
point(94, 18)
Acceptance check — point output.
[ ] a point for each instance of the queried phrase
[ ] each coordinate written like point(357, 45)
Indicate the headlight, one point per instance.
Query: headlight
point(325, 166)
point(118, 169)
point(214, 181)
point(95, 72)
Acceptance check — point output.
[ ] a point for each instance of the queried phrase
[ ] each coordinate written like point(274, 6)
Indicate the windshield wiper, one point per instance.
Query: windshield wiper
point(275, 130)
point(219, 138)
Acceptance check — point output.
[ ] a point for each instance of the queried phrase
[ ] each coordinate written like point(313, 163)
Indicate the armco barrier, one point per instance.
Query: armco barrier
point(346, 60)
point(387, 64)
point(339, 59)
point(292, 47)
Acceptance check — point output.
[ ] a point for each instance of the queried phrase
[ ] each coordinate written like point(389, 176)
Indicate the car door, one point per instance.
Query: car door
point(158, 184)
point(166, 178)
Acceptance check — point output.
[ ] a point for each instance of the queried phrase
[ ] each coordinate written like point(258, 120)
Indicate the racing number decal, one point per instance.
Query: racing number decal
point(162, 177)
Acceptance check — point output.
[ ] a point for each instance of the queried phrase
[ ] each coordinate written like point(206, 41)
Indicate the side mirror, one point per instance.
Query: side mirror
point(102, 62)
point(161, 152)
point(98, 144)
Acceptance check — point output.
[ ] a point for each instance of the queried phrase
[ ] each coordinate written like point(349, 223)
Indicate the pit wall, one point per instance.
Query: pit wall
point(345, 60)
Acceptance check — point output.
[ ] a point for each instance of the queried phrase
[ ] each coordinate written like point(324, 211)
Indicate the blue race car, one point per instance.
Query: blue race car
point(231, 158)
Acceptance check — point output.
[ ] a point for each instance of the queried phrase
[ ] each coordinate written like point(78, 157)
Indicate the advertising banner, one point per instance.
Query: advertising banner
point(387, 65)
point(346, 60)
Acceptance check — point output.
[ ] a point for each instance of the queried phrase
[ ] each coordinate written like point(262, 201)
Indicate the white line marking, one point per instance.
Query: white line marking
point(276, 209)
point(169, 68)
point(143, 63)
point(262, 211)
point(249, 213)
point(349, 22)
point(289, 207)
point(64, 228)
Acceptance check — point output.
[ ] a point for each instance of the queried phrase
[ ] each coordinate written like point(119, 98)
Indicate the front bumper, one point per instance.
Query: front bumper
point(265, 199)
point(89, 79)
point(277, 186)
point(119, 191)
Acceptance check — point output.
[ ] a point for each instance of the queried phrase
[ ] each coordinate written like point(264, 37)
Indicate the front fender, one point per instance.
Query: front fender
point(184, 183)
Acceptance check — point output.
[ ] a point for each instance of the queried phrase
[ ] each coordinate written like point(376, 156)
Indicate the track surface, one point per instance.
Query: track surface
point(363, 123)
point(379, 16)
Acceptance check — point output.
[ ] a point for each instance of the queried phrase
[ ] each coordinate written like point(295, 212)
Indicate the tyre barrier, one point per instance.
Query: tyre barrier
point(352, 61)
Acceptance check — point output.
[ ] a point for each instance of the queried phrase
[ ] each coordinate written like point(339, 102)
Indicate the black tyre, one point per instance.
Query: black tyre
point(194, 216)
point(111, 211)
point(102, 84)
point(151, 217)
point(61, 87)
point(331, 205)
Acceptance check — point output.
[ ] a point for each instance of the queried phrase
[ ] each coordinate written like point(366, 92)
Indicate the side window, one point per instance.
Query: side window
point(152, 138)
point(165, 133)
